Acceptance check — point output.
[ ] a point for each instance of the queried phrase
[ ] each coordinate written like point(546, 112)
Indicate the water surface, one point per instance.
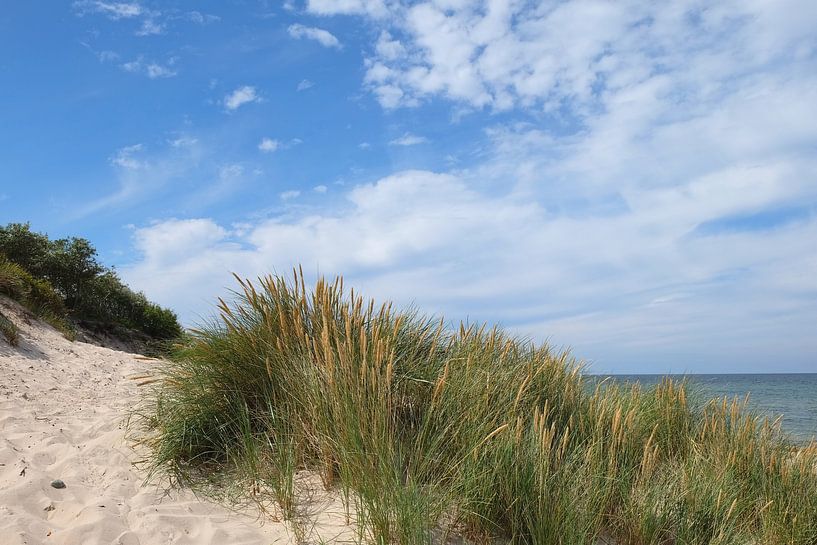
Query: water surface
point(794, 396)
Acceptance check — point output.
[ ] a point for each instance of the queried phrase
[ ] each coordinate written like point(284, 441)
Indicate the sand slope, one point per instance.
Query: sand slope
point(62, 407)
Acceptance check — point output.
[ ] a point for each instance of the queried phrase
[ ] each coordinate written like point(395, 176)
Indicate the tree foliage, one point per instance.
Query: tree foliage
point(85, 288)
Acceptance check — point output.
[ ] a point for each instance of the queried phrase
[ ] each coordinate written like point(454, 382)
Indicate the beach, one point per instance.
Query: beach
point(73, 470)
point(63, 407)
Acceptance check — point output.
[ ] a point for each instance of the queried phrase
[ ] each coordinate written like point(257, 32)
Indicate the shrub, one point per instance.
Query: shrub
point(158, 322)
point(12, 279)
point(36, 295)
point(108, 299)
point(471, 429)
point(42, 299)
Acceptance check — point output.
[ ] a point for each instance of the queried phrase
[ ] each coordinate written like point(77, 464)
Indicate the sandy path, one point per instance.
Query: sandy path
point(61, 417)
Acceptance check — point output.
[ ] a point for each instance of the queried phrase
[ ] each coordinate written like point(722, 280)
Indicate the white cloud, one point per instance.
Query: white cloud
point(408, 139)
point(173, 240)
point(612, 217)
point(304, 85)
point(150, 19)
point(268, 145)
point(227, 181)
point(125, 157)
point(141, 174)
point(242, 95)
point(107, 56)
point(388, 48)
point(132, 66)
point(183, 142)
point(320, 189)
point(289, 195)
point(520, 54)
point(375, 8)
point(152, 22)
point(152, 70)
point(150, 27)
point(324, 37)
point(429, 239)
point(201, 18)
point(113, 10)
point(230, 172)
point(364, 145)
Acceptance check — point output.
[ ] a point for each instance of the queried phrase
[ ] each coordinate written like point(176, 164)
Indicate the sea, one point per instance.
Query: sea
point(792, 396)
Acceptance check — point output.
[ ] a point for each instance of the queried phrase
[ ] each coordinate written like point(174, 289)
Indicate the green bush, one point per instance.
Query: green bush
point(106, 298)
point(42, 299)
point(159, 322)
point(12, 279)
point(35, 294)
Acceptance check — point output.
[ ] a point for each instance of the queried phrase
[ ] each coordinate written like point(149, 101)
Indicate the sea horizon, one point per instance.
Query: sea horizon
point(792, 396)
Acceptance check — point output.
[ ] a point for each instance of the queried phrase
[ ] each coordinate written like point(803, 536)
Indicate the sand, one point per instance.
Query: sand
point(62, 411)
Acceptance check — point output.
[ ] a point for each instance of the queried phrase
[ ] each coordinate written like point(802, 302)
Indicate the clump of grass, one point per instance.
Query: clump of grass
point(12, 279)
point(9, 330)
point(424, 428)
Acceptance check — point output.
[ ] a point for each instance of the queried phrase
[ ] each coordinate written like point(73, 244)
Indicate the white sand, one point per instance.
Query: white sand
point(62, 410)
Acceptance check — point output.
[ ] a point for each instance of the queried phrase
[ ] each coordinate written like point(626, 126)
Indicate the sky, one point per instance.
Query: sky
point(634, 180)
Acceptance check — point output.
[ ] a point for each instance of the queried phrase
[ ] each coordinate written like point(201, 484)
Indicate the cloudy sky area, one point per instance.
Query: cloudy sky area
point(635, 179)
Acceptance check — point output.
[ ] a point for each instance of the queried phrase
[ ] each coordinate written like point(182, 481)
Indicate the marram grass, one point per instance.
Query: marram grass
point(429, 431)
point(10, 332)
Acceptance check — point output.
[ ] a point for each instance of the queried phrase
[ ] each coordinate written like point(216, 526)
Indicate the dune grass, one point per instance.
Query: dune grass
point(9, 330)
point(37, 295)
point(426, 430)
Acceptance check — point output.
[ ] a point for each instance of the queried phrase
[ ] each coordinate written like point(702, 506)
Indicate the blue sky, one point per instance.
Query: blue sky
point(633, 179)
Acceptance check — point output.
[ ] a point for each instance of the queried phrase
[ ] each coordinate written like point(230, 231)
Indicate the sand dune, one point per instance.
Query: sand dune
point(62, 410)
